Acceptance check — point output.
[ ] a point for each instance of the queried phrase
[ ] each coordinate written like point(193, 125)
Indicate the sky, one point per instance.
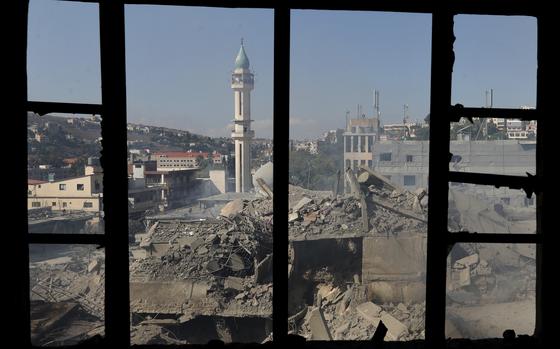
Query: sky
point(179, 62)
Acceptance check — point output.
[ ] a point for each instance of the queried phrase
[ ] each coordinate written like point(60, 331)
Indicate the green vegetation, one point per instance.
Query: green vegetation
point(316, 171)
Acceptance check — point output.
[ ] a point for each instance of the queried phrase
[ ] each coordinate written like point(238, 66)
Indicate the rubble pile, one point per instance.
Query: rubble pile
point(490, 274)
point(377, 273)
point(67, 292)
point(79, 278)
point(211, 268)
point(347, 303)
point(389, 211)
point(347, 315)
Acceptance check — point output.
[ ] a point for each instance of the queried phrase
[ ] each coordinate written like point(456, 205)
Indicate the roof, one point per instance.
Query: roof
point(184, 154)
point(241, 61)
point(35, 181)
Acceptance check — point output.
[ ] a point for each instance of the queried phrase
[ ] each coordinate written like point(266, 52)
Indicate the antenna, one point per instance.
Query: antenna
point(376, 102)
point(491, 97)
point(405, 113)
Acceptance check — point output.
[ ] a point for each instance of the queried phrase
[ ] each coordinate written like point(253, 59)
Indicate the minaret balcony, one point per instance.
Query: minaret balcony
point(243, 135)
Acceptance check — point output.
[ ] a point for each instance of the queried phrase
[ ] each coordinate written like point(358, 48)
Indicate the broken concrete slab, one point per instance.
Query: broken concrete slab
point(139, 253)
point(319, 329)
point(370, 312)
point(395, 328)
point(232, 208)
point(234, 283)
point(466, 261)
point(93, 266)
point(292, 217)
point(464, 277)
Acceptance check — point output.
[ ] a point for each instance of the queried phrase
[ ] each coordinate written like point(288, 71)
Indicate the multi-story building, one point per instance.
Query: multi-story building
point(406, 163)
point(516, 129)
point(182, 160)
point(82, 193)
point(360, 135)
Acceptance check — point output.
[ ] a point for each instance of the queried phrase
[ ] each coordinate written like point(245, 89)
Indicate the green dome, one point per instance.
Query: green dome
point(242, 61)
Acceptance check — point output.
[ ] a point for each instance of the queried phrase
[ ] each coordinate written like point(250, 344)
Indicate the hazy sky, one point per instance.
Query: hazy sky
point(179, 61)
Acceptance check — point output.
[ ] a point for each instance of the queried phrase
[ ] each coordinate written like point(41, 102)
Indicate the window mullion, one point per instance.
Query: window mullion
point(280, 201)
point(113, 161)
point(440, 99)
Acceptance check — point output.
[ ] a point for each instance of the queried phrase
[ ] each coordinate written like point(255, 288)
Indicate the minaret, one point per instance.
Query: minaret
point(242, 84)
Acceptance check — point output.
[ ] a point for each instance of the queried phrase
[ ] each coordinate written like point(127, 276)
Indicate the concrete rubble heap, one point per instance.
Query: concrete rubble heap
point(360, 258)
point(67, 295)
point(192, 271)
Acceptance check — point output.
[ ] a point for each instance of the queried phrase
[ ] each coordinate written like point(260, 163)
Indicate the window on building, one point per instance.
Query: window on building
point(80, 187)
point(53, 203)
point(64, 204)
point(385, 157)
point(35, 204)
point(409, 180)
point(88, 204)
point(29, 192)
point(370, 163)
point(62, 186)
point(409, 158)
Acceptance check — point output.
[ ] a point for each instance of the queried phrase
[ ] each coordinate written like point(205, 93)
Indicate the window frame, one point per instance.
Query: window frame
point(113, 128)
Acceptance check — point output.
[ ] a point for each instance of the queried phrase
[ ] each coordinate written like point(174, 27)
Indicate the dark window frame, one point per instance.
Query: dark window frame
point(113, 124)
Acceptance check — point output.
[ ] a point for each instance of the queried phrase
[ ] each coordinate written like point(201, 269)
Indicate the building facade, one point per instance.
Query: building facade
point(183, 160)
point(359, 138)
point(83, 193)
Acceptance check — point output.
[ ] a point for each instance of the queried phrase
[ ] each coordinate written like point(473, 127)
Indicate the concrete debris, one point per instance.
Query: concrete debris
point(395, 328)
point(369, 311)
point(386, 209)
point(234, 283)
point(319, 329)
point(232, 208)
point(360, 278)
point(303, 202)
point(220, 269)
point(466, 262)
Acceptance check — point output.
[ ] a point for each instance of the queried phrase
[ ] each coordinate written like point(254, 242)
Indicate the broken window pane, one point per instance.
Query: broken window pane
point(496, 146)
point(490, 288)
point(487, 209)
point(63, 59)
point(357, 198)
point(495, 61)
point(67, 290)
point(65, 178)
point(199, 103)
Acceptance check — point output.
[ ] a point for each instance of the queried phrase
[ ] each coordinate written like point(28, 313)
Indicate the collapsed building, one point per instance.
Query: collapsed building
point(67, 289)
point(204, 279)
point(354, 260)
point(360, 259)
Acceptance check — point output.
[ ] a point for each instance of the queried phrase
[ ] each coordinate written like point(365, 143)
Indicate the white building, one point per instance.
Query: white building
point(242, 83)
